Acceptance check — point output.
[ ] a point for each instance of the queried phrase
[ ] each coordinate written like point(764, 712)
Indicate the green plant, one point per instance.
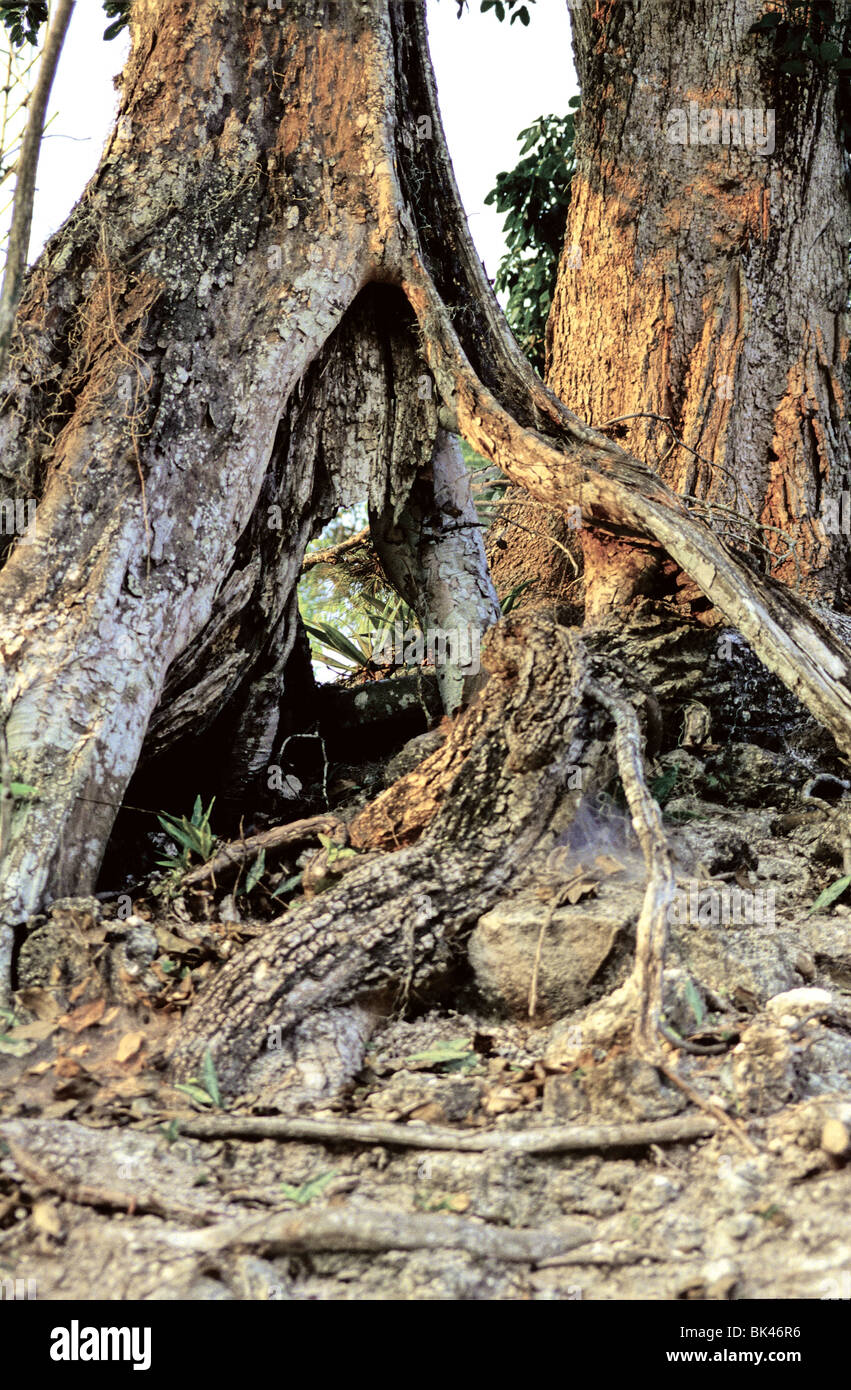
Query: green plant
point(192, 836)
point(204, 1090)
point(518, 9)
point(23, 18)
point(449, 1055)
point(361, 650)
point(535, 196)
point(830, 894)
point(506, 604)
point(306, 1192)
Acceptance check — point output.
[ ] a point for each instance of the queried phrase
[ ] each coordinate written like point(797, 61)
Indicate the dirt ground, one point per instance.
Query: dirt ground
point(103, 1193)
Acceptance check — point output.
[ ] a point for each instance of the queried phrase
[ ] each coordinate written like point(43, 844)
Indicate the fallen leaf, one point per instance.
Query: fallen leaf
point(34, 1032)
point(45, 1218)
point(580, 889)
point(85, 1016)
point(130, 1044)
point(40, 1002)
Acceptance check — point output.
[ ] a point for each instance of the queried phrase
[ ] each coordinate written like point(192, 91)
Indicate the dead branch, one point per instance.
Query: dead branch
point(335, 552)
point(230, 856)
point(19, 233)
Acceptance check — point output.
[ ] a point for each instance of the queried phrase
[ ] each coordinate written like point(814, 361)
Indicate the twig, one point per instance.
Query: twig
point(553, 1139)
point(333, 553)
point(707, 1107)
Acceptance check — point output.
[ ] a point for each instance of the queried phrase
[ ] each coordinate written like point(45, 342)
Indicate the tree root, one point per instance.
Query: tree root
point(545, 1140)
point(368, 1227)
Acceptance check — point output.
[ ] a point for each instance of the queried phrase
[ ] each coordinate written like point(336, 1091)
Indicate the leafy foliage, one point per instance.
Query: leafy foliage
point(518, 9)
point(192, 836)
point(535, 196)
point(119, 12)
point(808, 34)
point(23, 18)
point(204, 1090)
point(360, 650)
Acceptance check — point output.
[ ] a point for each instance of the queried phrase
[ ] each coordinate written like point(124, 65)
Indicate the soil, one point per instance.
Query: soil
point(102, 1194)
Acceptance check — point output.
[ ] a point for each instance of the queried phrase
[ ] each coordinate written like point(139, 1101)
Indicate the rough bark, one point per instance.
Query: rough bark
point(317, 982)
point(221, 329)
point(708, 282)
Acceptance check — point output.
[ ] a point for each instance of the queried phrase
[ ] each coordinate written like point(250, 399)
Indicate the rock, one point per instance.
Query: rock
point(763, 1072)
point(744, 965)
point(377, 713)
point(754, 775)
point(798, 1003)
point(55, 956)
point(578, 943)
point(617, 1088)
point(717, 845)
point(448, 1099)
point(835, 1138)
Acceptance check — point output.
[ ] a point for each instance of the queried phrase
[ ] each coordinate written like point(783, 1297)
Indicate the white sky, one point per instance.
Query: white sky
point(493, 79)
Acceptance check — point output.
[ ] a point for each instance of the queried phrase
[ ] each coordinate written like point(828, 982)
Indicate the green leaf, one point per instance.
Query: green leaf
point(661, 787)
point(288, 885)
point(695, 1002)
point(306, 1192)
point(255, 873)
point(210, 1079)
point(454, 1055)
point(831, 893)
point(194, 1092)
point(22, 791)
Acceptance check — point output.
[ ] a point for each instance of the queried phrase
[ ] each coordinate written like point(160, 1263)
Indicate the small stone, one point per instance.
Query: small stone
point(835, 1138)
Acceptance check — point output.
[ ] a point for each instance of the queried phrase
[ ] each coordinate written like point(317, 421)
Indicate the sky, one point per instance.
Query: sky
point(493, 80)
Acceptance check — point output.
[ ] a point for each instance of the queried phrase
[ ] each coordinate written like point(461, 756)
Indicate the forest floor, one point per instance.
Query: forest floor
point(103, 1193)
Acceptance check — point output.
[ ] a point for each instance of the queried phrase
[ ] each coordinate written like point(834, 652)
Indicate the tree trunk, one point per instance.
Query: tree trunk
point(266, 306)
point(706, 281)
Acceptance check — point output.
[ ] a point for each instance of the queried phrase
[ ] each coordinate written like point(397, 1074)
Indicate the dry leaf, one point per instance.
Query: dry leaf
point(85, 1016)
point(130, 1044)
point(580, 889)
point(45, 1218)
point(607, 864)
point(459, 1201)
point(40, 1002)
point(34, 1032)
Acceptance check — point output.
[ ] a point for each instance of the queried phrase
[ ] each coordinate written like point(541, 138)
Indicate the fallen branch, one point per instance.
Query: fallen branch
point(555, 1139)
point(230, 856)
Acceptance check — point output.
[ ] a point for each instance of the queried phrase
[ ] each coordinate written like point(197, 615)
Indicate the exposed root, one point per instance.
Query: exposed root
point(652, 930)
point(552, 1139)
